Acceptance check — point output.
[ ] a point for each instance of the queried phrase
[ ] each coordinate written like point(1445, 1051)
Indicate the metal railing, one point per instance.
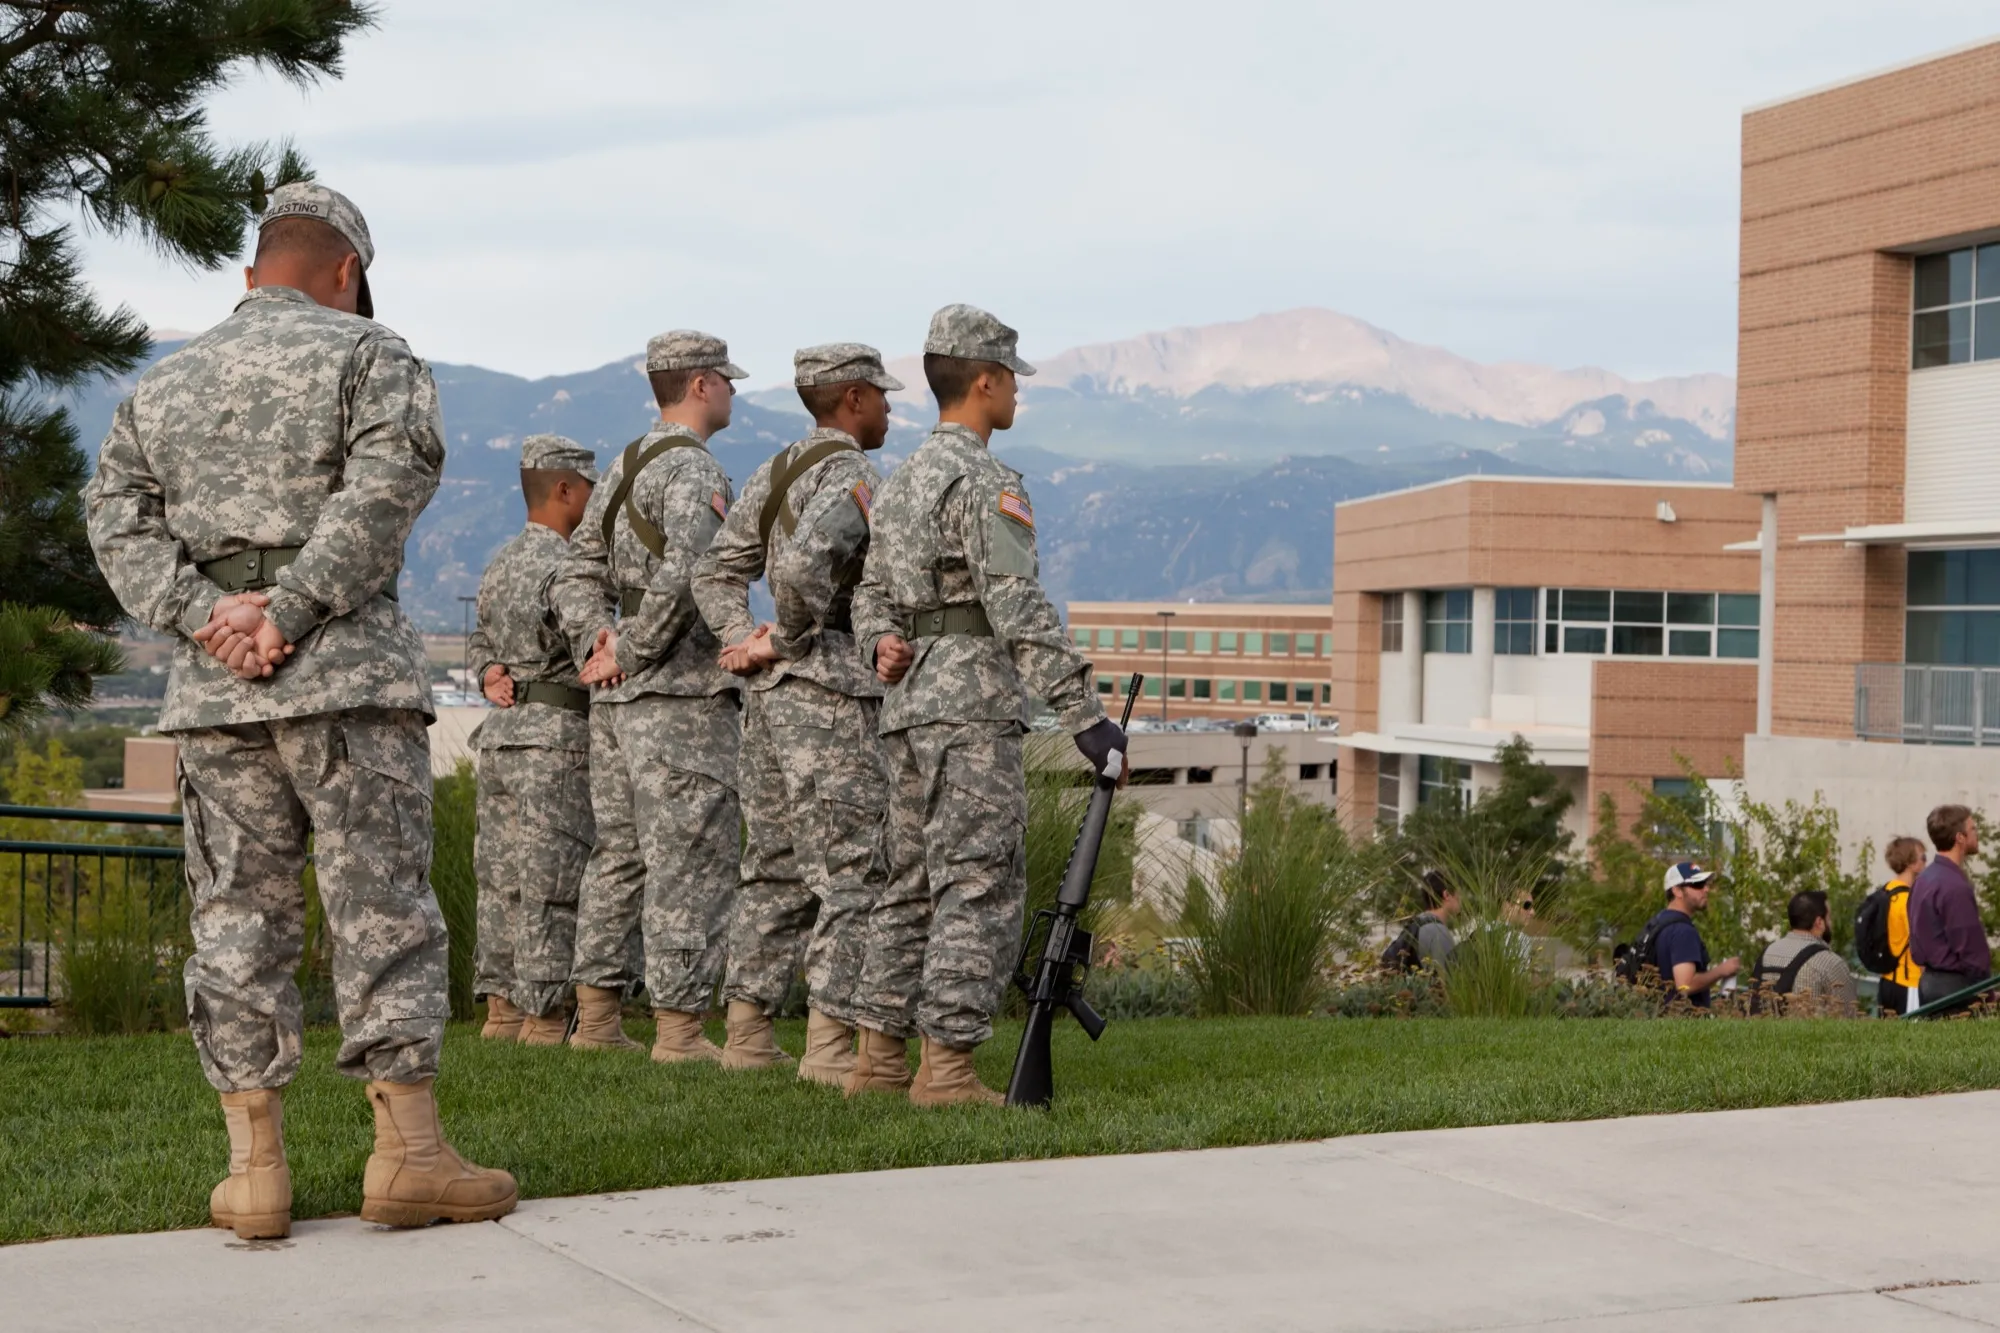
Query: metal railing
point(1927, 705)
point(46, 886)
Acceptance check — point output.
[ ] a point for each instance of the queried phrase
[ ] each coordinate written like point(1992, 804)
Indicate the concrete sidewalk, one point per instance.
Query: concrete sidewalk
point(1750, 1220)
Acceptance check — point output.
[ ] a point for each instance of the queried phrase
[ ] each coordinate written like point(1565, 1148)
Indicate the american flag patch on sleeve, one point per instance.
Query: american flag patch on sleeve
point(1016, 507)
point(864, 497)
point(718, 504)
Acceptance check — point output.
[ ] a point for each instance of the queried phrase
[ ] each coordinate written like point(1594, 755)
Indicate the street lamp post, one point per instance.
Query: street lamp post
point(1165, 618)
point(465, 644)
point(1245, 732)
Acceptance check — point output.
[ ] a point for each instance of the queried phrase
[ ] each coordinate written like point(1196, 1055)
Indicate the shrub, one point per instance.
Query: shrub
point(121, 960)
point(1263, 937)
point(1377, 994)
point(454, 820)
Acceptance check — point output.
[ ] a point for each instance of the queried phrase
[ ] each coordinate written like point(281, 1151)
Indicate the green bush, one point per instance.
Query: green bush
point(454, 820)
point(121, 957)
point(1263, 938)
point(1142, 992)
point(1376, 994)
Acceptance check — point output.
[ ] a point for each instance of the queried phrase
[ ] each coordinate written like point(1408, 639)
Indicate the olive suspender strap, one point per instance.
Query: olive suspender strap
point(782, 477)
point(636, 462)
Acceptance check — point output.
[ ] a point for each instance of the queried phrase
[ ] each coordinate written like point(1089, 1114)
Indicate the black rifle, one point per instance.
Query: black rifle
point(1065, 956)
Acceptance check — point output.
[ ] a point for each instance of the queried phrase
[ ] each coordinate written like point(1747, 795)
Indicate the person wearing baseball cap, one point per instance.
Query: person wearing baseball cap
point(327, 239)
point(1678, 949)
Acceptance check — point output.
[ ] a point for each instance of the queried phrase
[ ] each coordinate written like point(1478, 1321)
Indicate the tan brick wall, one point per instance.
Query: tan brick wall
point(1831, 182)
point(1308, 667)
point(1644, 713)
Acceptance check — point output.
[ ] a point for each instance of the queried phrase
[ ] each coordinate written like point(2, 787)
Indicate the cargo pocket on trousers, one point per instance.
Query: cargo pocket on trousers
point(390, 911)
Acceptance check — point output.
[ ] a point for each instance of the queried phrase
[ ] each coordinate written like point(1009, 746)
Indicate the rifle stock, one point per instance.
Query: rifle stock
point(1066, 946)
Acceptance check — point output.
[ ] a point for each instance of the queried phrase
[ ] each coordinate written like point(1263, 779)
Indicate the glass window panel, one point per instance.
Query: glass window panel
point(1081, 637)
point(1201, 689)
point(1177, 641)
point(1105, 685)
point(1943, 279)
point(1942, 338)
point(1923, 637)
point(1458, 604)
point(1582, 640)
point(1177, 688)
point(1690, 608)
point(1926, 579)
point(1637, 640)
point(1457, 637)
point(1128, 640)
point(1325, 692)
point(1253, 645)
point(1982, 638)
point(1326, 645)
point(1434, 636)
point(1225, 690)
point(1986, 331)
point(1281, 645)
point(1514, 603)
point(1524, 639)
point(1736, 643)
point(1982, 578)
point(1204, 641)
point(1640, 608)
point(1278, 692)
point(1550, 643)
point(1225, 642)
point(1736, 608)
point(1152, 641)
point(1688, 643)
point(1152, 689)
point(1253, 691)
point(1107, 638)
point(1586, 604)
point(1989, 272)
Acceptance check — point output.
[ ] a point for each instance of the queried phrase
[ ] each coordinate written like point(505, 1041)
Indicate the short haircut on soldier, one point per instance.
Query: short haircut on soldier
point(1902, 853)
point(671, 386)
point(1944, 824)
point(951, 377)
point(823, 400)
point(1806, 907)
point(539, 483)
point(306, 238)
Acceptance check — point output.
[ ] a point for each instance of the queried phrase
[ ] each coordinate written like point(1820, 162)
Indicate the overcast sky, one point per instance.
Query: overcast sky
point(549, 184)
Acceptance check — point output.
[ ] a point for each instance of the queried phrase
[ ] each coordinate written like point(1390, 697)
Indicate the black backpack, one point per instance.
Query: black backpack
point(1630, 961)
point(1871, 930)
point(1780, 980)
point(1402, 954)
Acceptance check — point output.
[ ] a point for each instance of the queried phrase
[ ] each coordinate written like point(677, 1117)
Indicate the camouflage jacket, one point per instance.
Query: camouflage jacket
point(287, 424)
point(952, 526)
point(664, 648)
point(811, 572)
point(518, 630)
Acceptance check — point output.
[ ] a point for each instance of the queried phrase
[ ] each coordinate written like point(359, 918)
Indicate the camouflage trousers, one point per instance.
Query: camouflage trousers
point(945, 930)
point(814, 799)
point(534, 837)
point(662, 873)
point(358, 783)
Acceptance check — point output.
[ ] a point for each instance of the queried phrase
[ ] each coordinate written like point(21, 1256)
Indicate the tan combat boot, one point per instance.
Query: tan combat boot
point(883, 1065)
point(752, 1043)
point(829, 1050)
point(678, 1038)
point(600, 1022)
point(255, 1198)
point(952, 1081)
point(503, 1020)
point(546, 1029)
point(415, 1178)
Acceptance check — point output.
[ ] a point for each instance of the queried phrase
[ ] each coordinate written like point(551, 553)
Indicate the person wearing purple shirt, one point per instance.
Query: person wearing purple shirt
point(1947, 938)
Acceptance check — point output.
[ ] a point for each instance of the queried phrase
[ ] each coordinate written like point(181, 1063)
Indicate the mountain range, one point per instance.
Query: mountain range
point(1192, 463)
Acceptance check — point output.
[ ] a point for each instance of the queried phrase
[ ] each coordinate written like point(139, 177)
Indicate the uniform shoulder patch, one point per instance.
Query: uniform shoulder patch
point(718, 504)
point(864, 497)
point(1017, 508)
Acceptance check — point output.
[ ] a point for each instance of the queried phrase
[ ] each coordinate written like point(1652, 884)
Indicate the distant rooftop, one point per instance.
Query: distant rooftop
point(1471, 477)
point(1852, 79)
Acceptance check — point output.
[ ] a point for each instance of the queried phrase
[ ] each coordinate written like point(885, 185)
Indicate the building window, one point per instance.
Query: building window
point(1107, 639)
point(1392, 623)
point(1253, 645)
point(1080, 637)
point(1277, 691)
point(1326, 645)
point(1128, 640)
point(1226, 641)
point(1204, 641)
point(1106, 685)
point(1448, 621)
point(1253, 692)
point(1177, 688)
point(1201, 689)
point(1152, 641)
point(1440, 779)
point(1514, 621)
point(1326, 692)
point(1956, 308)
point(1650, 624)
point(1177, 641)
point(1953, 616)
point(1310, 772)
point(1152, 689)
point(1201, 775)
point(1388, 788)
point(1281, 645)
point(1226, 691)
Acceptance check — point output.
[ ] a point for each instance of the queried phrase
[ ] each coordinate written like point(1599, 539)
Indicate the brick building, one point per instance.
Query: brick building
point(1868, 425)
point(1214, 659)
point(1613, 624)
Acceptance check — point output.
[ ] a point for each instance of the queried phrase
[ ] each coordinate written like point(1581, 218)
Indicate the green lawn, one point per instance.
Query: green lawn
point(122, 1134)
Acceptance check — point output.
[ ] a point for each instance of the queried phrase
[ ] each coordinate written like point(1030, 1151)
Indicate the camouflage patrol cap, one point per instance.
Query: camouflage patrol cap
point(688, 349)
point(967, 332)
point(558, 453)
point(306, 199)
point(839, 363)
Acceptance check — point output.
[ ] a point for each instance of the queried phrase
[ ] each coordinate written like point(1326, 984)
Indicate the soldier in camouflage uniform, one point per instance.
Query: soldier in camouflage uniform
point(535, 828)
point(814, 791)
point(664, 728)
point(252, 501)
point(951, 613)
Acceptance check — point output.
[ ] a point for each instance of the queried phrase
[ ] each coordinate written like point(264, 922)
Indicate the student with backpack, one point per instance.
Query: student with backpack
point(1426, 941)
point(1804, 966)
point(1882, 929)
point(1671, 946)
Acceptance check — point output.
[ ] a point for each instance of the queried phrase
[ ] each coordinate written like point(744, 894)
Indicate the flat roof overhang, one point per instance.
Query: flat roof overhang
point(1953, 532)
point(1565, 748)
